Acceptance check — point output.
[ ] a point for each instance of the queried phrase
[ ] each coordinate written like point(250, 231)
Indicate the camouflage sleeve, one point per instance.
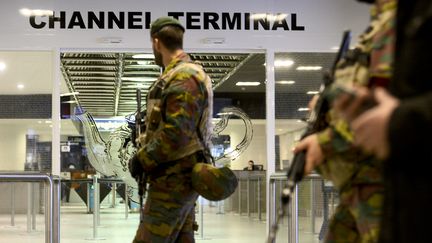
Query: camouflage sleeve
point(336, 139)
point(182, 104)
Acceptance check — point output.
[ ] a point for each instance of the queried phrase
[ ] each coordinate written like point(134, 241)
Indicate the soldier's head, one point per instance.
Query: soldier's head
point(166, 36)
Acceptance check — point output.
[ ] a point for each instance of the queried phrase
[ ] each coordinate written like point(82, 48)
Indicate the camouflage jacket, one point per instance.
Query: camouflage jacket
point(345, 164)
point(184, 95)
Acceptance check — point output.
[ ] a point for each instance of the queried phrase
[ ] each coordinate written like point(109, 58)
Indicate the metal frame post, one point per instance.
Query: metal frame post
point(248, 196)
point(312, 205)
point(114, 188)
point(95, 211)
point(88, 197)
point(127, 203)
point(33, 206)
point(12, 204)
point(293, 220)
point(259, 199)
point(29, 207)
point(240, 198)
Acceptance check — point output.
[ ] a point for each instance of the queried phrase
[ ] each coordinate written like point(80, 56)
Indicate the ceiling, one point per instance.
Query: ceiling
point(106, 83)
point(105, 88)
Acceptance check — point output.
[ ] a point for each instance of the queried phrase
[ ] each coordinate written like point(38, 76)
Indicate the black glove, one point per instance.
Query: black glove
point(135, 167)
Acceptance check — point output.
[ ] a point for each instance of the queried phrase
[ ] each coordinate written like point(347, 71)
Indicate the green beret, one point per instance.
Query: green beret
point(161, 22)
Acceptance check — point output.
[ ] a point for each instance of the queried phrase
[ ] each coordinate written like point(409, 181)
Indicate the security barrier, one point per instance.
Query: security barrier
point(313, 203)
point(52, 200)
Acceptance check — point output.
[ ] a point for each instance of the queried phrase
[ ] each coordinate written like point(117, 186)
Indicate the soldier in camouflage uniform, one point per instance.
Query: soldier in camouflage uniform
point(355, 174)
point(178, 105)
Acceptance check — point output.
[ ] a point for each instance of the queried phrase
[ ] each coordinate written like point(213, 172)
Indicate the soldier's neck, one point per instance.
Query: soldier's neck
point(170, 56)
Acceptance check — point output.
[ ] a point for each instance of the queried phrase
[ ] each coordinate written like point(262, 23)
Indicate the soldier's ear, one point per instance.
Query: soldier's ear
point(156, 44)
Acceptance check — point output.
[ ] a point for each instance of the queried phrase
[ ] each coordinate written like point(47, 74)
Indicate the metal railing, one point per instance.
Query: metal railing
point(310, 207)
point(52, 199)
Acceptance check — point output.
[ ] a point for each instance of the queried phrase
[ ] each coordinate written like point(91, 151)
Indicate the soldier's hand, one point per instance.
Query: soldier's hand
point(141, 140)
point(314, 154)
point(371, 128)
point(135, 167)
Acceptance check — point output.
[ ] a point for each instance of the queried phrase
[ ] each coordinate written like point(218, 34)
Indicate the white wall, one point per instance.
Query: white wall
point(288, 130)
point(256, 150)
point(12, 146)
point(324, 21)
point(287, 141)
point(13, 139)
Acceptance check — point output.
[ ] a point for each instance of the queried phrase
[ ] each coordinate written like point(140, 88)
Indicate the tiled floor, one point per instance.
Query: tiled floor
point(76, 227)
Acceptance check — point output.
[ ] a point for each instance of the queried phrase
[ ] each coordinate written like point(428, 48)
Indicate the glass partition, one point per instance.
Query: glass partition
point(98, 117)
point(25, 110)
point(298, 77)
point(25, 137)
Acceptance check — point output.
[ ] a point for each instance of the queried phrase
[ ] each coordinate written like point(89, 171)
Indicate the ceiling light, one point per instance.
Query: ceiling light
point(308, 68)
point(144, 63)
point(2, 66)
point(270, 17)
point(285, 82)
point(283, 63)
point(69, 94)
point(48, 121)
point(139, 86)
point(20, 86)
point(35, 12)
point(335, 48)
point(69, 102)
point(224, 113)
point(248, 83)
point(144, 56)
point(148, 79)
point(303, 109)
point(312, 92)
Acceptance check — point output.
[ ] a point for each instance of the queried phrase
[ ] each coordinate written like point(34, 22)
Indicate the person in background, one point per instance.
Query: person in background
point(398, 129)
point(251, 166)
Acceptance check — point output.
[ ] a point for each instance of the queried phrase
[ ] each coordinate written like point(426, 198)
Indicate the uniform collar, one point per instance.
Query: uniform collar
point(180, 58)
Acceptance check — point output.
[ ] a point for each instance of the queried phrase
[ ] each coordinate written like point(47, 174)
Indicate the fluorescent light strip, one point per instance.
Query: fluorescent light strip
point(248, 83)
point(285, 82)
point(35, 12)
point(283, 63)
point(146, 56)
point(312, 92)
point(69, 94)
point(303, 109)
point(308, 68)
point(270, 17)
point(138, 79)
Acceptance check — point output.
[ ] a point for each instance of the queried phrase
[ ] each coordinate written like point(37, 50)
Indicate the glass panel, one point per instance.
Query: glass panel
point(25, 138)
point(98, 119)
point(298, 77)
point(25, 111)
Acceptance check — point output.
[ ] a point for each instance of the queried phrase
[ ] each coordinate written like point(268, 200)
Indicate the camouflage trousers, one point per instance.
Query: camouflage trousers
point(169, 214)
point(357, 217)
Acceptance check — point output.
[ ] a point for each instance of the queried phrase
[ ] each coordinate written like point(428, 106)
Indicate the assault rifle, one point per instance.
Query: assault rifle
point(316, 122)
point(141, 179)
